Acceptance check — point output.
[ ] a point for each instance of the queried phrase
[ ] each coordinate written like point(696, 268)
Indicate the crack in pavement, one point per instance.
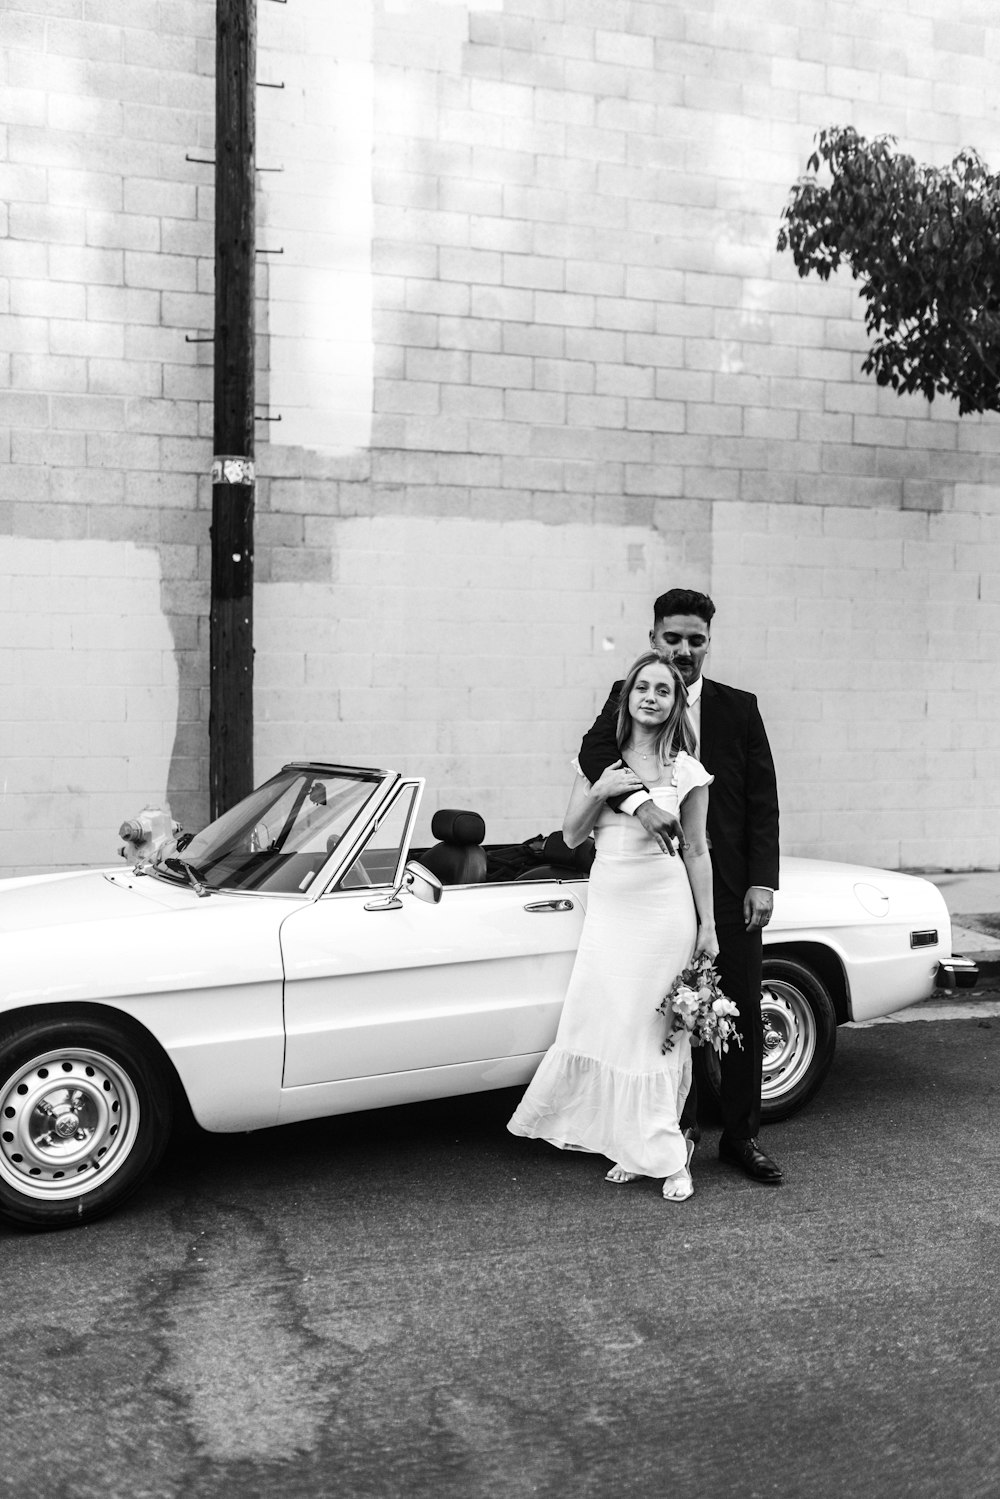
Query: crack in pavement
point(249, 1375)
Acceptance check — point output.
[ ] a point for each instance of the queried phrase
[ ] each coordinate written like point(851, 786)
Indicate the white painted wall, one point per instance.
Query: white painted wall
point(474, 653)
point(90, 698)
point(872, 639)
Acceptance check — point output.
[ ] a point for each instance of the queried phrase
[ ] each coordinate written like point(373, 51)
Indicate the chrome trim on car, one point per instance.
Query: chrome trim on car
point(957, 972)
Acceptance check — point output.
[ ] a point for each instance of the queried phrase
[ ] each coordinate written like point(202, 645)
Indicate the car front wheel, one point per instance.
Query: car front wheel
point(85, 1115)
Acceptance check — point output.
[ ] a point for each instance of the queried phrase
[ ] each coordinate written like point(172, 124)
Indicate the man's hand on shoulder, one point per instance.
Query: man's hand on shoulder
point(661, 825)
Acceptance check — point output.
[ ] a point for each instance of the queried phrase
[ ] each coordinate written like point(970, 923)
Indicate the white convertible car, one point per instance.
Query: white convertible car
point(289, 962)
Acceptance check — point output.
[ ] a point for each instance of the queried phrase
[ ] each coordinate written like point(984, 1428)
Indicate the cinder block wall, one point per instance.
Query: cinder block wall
point(535, 358)
point(105, 420)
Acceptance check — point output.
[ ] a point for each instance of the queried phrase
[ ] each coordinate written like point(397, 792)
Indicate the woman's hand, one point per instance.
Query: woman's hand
point(707, 942)
point(618, 780)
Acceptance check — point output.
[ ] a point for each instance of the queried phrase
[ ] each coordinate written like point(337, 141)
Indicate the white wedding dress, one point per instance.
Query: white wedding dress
point(605, 1085)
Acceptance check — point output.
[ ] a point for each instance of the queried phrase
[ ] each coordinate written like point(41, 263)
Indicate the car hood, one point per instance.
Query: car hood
point(84, 896)
point(818, 893)
point(101, 935)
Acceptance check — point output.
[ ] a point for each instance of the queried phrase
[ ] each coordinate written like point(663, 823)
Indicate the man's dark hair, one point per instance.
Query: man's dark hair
point(683, 601)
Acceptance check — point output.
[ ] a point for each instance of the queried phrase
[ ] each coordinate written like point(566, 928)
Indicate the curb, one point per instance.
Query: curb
point(988, 964)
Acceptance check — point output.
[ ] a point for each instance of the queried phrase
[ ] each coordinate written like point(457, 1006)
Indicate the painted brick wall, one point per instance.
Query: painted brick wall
point(536, 359)
point(871, 638)
point(105, 267)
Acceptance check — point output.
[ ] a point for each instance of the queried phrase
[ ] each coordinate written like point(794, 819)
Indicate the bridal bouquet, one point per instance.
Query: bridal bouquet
point(695, 1003)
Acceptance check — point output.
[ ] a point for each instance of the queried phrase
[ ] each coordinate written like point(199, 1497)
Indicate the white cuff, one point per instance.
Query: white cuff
point(633, 802)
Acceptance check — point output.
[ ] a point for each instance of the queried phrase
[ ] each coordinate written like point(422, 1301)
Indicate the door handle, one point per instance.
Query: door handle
point(550, 905)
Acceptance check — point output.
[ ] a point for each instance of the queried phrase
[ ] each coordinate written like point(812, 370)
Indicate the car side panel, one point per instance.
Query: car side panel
point(820, 903)
point(882, 972)
point(480, 975)
point(204, 979)
point(227, 1044)
point(392, 1088)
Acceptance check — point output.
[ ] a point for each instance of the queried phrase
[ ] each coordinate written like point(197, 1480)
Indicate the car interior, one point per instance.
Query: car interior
point(462, 857)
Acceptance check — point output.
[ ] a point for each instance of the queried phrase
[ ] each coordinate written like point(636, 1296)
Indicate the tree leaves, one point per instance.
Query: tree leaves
point(924, 243)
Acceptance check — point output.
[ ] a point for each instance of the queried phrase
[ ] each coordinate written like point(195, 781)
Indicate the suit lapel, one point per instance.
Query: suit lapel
point(709, 738)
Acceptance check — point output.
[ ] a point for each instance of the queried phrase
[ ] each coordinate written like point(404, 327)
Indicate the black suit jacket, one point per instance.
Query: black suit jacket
point(743, 799)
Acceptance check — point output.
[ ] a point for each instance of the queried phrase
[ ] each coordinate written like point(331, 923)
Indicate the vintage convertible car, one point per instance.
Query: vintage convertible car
point(296, 959)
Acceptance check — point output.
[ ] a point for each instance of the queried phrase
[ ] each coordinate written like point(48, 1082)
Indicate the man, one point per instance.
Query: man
point(743, 833)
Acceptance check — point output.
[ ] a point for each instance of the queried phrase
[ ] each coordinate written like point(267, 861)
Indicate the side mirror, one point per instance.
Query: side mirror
point(416, 881)
point(419, 881)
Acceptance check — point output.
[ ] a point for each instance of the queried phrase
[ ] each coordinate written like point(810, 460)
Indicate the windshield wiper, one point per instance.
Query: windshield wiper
point(189, 871)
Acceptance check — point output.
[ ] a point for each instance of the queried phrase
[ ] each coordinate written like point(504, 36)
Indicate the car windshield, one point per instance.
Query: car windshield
point(279, 837)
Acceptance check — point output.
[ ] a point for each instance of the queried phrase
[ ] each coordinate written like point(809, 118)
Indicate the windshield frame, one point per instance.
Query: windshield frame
point(382, 783)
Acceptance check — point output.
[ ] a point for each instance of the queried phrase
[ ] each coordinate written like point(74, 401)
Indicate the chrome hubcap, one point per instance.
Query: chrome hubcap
point(789, 1037)
point(67, 1119)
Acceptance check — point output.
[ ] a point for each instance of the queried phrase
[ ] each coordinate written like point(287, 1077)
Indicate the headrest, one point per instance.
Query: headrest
point(556, 850)
point(449, 826)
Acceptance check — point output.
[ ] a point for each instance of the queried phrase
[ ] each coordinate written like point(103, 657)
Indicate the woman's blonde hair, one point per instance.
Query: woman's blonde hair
point(676, 733)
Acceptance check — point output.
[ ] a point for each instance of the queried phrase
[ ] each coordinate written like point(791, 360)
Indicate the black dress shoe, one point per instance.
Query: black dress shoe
point(748, 1155)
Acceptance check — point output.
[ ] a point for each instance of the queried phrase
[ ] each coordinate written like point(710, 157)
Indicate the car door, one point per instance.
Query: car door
point(371, 991)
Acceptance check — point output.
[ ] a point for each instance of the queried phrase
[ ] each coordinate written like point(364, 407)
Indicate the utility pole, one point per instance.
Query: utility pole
point(230, 726)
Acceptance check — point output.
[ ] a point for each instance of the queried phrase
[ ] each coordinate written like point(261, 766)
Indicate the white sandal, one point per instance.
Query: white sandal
point(683, 1186)
point(618, 1175)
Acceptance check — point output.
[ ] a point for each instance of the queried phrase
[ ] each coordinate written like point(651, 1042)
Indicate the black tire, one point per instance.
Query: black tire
point(800, 1038)
point(85, 1115)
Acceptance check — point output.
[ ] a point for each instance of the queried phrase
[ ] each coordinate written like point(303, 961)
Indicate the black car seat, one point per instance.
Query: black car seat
point(458, 858)
point(560, 862)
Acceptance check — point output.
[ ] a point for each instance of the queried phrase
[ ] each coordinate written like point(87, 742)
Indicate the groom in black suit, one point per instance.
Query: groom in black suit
point(743, 834)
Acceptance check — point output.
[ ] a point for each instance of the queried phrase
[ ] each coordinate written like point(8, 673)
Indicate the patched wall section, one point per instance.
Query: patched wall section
point(469, 652)
point(90, 691)
point(872, 638)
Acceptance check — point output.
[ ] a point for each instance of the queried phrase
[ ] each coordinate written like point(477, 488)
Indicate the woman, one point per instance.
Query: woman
point(605, 1085)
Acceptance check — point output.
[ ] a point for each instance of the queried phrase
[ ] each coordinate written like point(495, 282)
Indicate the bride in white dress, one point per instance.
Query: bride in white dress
point(605, 1085)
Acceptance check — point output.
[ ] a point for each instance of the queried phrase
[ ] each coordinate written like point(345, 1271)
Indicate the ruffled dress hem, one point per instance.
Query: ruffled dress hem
point(579, 1103)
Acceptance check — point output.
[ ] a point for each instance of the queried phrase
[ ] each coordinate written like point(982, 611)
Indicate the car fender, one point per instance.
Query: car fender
point(220, 1023)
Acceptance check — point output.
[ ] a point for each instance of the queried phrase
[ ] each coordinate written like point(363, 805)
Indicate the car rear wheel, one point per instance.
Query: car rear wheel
point(800, 1037)
point(85, 1114)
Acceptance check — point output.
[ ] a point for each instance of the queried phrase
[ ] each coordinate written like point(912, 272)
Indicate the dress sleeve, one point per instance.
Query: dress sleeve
point(690, 773)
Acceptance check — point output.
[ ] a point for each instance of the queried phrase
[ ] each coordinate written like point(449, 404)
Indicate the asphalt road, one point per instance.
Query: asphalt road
point(415, 1303)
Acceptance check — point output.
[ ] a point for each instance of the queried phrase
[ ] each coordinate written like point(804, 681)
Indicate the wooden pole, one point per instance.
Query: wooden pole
point(231, 634)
